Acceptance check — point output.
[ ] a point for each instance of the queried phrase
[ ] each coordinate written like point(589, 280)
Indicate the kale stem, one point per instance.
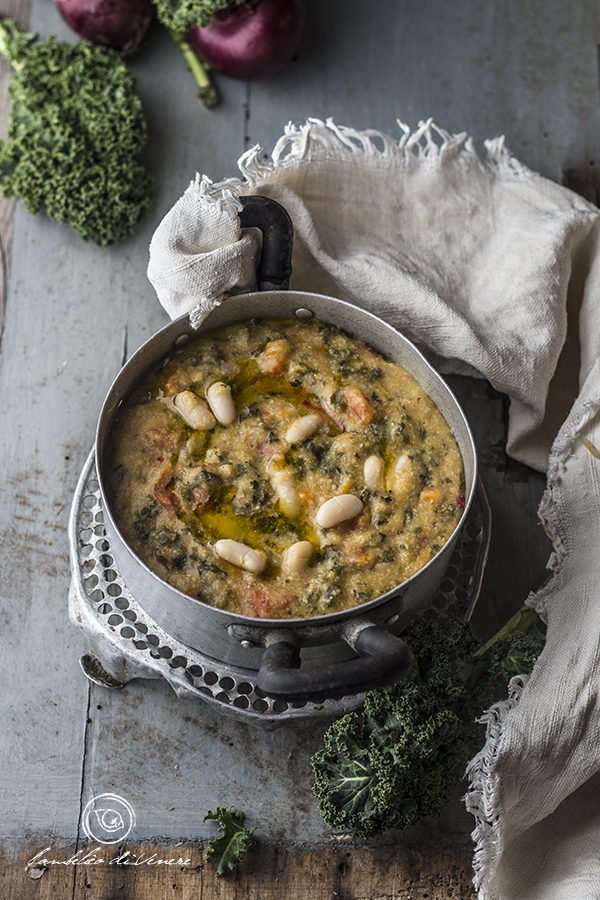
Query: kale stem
point(522, 620)
point(208, 93)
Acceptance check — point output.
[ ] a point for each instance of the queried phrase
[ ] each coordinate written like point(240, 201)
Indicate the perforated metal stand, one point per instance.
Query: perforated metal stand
point(126, 643)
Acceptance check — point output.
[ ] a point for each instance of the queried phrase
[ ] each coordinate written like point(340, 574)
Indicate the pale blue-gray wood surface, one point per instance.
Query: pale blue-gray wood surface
point(524, 68)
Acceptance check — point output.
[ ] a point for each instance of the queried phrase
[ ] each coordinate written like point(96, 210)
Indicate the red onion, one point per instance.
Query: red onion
point(253, 40)
point(120, 24)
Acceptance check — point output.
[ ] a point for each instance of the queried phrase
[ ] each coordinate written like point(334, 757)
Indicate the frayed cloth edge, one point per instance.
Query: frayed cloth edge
point(426, 145)
point(222, 195)
point(548, 515)
point(202, 310)
point(482, 798)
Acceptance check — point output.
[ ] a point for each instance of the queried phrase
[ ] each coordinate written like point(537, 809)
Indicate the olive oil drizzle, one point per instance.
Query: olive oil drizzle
point(270, 529)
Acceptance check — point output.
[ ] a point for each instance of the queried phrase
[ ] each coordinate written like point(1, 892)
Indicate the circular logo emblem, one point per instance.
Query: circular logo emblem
point(108, 819)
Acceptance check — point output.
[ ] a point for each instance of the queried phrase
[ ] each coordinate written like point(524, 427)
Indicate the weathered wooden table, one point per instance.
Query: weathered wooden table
point(72, 313)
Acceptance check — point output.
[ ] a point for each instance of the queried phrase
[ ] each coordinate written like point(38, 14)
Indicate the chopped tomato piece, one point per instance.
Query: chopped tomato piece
point(163, 489)
point(267, 601)
point(359, 406)
point(161, 438)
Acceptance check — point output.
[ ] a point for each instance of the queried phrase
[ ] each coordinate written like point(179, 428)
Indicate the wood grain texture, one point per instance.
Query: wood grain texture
point(149, 872)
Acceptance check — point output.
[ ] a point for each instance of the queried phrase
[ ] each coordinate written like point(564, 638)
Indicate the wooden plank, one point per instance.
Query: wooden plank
point(32, 554)
point(352, 873)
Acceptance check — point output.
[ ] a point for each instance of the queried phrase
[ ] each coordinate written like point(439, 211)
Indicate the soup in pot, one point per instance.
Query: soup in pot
point(279, 468)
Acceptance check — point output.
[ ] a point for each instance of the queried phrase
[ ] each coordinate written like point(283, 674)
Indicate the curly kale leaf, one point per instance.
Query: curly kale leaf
point(225, 852)
point(179, 15)
point(75, 133)
point(396, 761)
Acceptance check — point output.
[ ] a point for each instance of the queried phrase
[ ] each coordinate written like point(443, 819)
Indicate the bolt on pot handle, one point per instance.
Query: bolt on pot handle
point(275, 264)
point(383, 660)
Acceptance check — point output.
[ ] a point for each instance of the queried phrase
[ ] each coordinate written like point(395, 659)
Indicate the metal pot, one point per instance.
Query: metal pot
point(296, 659)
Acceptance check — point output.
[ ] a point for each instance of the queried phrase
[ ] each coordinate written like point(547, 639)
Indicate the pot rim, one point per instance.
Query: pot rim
point(175, 325)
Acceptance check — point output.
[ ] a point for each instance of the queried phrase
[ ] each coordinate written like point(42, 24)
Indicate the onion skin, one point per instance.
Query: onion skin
point(251, 41)
point(120, 24)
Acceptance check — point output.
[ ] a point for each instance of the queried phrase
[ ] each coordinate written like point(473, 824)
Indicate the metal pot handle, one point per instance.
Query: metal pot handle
point(383, 660)
point(275, 264)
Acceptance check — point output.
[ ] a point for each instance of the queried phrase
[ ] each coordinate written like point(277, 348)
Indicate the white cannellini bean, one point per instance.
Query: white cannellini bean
point(373, 473)
point(338, 509)
point(402, 476)
point(221, 403)
point(302, 428)
point(241, 555)
point(286, 489)
point(296, 558)
point(194, 411)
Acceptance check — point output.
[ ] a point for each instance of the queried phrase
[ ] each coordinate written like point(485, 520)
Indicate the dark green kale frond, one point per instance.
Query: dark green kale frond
point(225, 852)
point(396, 761)
point(520, 653)
point(75, 134)
point(515, 648)
point(345, 776)
point(14, 42)
point(179, 15)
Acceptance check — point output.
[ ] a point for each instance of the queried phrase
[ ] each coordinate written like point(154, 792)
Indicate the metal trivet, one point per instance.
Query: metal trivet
point(126, 643)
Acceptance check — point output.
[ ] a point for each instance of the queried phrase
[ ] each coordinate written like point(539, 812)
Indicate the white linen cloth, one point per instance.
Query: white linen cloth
point(494, 271)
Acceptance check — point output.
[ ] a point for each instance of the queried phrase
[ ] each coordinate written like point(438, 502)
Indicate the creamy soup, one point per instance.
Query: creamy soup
point(279, 468)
